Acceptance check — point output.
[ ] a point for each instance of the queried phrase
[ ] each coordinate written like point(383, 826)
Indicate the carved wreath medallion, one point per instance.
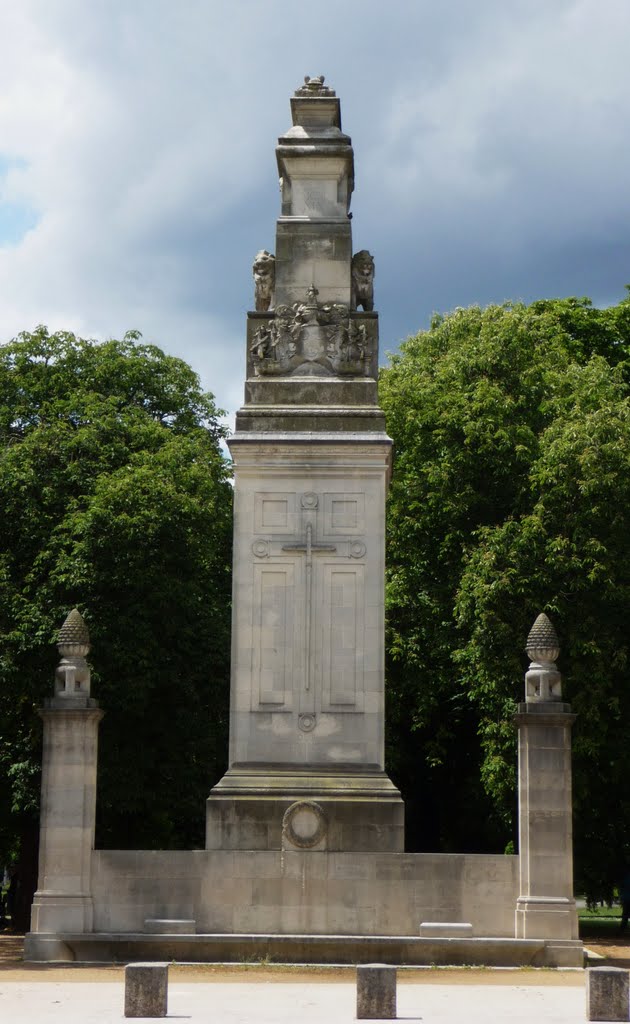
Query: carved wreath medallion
point(307, 722)
point(304, 824)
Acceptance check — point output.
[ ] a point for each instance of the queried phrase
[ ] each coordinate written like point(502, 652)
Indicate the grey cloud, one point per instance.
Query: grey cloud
point(490, 143)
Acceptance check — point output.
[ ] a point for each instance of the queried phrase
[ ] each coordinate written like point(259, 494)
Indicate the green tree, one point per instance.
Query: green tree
point(510, 495)
point(115, 498)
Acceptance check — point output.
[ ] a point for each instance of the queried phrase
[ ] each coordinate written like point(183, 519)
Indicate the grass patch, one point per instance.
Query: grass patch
point(600, 912)
point(600, 922)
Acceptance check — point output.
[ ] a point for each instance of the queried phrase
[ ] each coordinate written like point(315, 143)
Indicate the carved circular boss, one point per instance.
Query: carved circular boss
point(304, 824)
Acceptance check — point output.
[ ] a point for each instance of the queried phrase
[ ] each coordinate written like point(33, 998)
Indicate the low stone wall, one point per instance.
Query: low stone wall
point(308, 892)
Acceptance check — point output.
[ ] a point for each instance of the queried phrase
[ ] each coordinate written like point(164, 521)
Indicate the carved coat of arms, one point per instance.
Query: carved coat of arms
point(311, 338)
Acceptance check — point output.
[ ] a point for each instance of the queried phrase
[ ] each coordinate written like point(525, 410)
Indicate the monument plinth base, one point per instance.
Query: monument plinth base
point(271, 808)
point(61, 910)
point(313, 949)
point(546, 917)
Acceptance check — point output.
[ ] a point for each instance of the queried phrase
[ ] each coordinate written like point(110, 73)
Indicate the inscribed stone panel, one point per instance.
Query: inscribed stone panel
point(274, 512)
point(274, 601)
point(344, 514)
point(314, 198)
point(342, 636)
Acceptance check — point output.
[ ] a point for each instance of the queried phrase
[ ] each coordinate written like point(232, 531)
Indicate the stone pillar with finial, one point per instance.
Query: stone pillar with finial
point(63, 901)
point(545, 908)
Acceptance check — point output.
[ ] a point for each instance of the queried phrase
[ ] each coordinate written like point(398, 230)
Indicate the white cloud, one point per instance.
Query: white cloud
point(487, 136)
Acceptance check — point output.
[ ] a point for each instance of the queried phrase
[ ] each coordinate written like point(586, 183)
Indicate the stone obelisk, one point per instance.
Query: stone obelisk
point(311, 467)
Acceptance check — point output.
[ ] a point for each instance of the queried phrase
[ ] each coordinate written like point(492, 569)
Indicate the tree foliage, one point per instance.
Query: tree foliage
point(510, 496)
point(115, 498)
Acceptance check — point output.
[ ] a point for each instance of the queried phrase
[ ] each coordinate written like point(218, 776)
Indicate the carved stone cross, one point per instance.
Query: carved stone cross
point(309, 548)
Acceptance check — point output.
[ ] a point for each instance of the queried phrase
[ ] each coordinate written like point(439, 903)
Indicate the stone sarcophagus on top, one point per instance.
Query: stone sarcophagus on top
point(311, 464)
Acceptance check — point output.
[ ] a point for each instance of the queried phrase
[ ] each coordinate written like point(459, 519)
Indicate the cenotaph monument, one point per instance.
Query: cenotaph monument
point(311, 465)
point(304, 857)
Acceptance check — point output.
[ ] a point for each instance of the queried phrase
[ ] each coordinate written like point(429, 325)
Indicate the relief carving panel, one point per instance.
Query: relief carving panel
point(309, 596)
point(344, 513)
point(273, 635)
point(312, 338)
point(274, 512)
point(342, 636)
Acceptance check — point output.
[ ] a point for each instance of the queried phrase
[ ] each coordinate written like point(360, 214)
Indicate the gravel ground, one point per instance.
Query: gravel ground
point(282, 994)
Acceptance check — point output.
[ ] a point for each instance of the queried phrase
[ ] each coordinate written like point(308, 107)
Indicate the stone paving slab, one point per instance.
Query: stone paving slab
point(79, 1002)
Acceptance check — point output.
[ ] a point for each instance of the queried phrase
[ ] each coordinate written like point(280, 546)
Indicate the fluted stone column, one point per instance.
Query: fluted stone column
point(545, 908)
point(63, 901)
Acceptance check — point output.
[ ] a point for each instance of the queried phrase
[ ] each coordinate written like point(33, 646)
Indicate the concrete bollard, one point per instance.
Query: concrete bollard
point(376, 992)
point(607, 994)
point(146, 990)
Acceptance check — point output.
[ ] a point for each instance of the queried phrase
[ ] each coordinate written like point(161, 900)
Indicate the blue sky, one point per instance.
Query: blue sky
point(138, 175)
point(16, 217)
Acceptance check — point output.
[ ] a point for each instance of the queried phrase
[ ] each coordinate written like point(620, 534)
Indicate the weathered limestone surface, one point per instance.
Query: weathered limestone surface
point(170, 925)
point(312, 358)
point(311, 471)
point(146, 990)
point(303, 891)
point(308, 626)
point(264, 279)
point(376, 992)
point(316, 168)
point(607, 994)
point(234, 947)
point(545, 907)
point(68, 800)
point(307, 706)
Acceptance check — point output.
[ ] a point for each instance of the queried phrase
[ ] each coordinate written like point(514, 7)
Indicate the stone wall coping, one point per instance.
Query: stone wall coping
point(309, 436)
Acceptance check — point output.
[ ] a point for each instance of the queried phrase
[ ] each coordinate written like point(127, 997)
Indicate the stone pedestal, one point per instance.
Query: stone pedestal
point(376, 992)
point(307, 695)
point(146, 990)
point(301, 807)
point(607, 994)
point(63, 899)
point(545, 907)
